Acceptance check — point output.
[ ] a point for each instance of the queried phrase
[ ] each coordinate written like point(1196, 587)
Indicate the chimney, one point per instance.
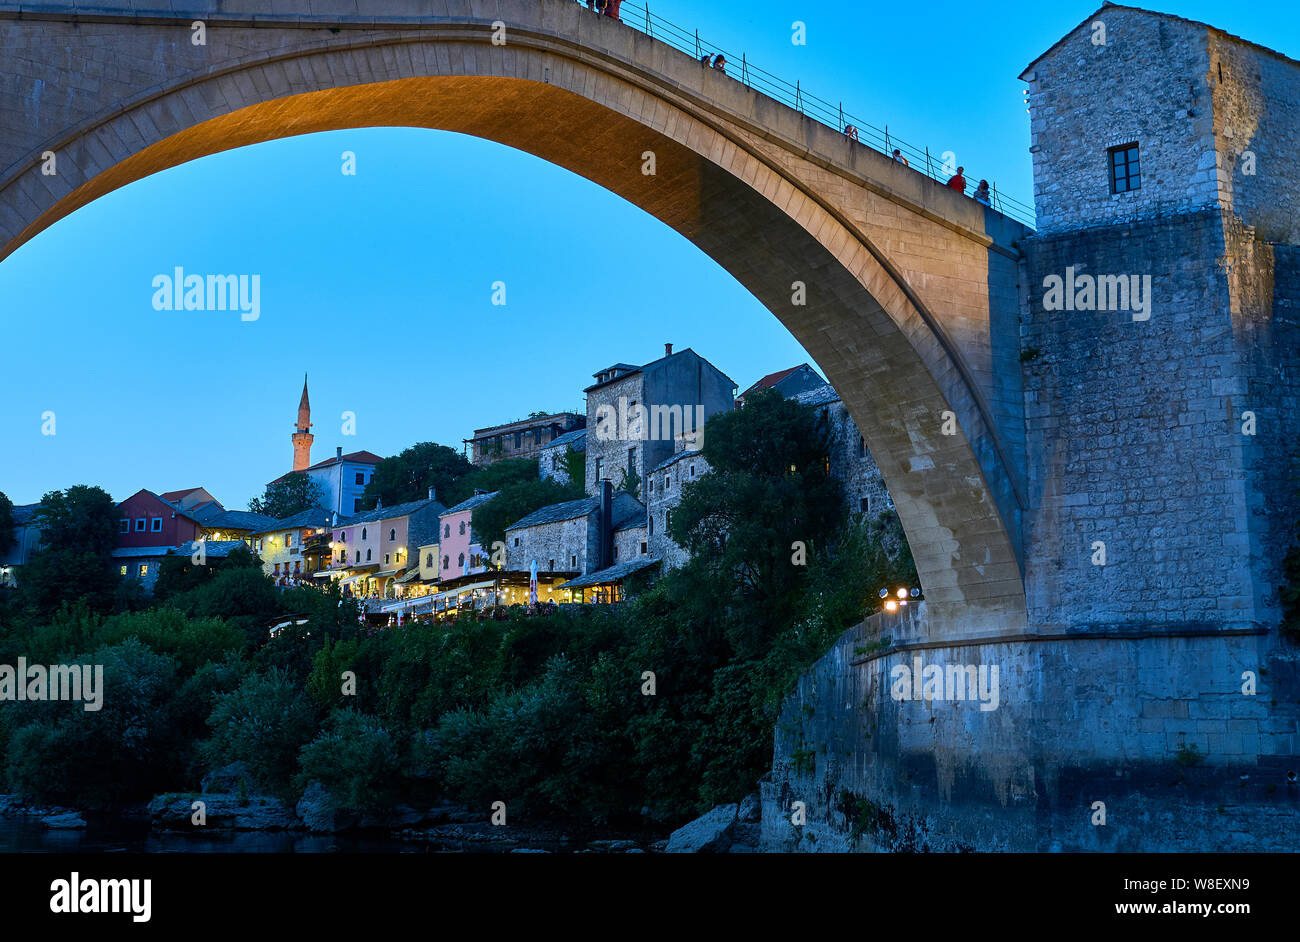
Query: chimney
point(606, 524)
point(432, 491)
point(338, 451)
point(668, 349)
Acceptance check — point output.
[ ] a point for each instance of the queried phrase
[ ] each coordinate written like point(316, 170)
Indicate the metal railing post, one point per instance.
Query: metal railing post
point(798, 97)
point(744, 69)
point(929, 171)
point(887, 151)
point(697, 44)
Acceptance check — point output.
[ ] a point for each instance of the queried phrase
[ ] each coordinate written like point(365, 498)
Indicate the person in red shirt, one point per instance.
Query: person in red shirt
point(957, 181)
point(611, 8)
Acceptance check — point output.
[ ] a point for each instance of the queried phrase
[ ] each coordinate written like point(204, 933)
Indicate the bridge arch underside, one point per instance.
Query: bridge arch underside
point(858, 323)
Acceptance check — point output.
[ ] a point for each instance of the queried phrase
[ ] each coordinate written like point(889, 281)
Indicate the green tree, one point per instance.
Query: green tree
point(291, 494)
point(264, 722)
point(408, 476)
point(768, 492)
point(575, 465)
point(516, 500)
point(79, 529)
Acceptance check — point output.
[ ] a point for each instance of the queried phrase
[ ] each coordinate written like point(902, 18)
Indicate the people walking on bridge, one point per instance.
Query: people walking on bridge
point(957, 181)
point(706, 59)
point(898, 155)
point(851, 132)
point(981, 194)
point(720, 63)
point(611, 8)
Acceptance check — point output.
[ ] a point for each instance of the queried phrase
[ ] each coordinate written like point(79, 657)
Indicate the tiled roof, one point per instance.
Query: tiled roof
point(628, 512)
point(471, 503)
point(177, 495)
point(357, 457)
point(311, 517)
point(690, 453)
point(554, 513)
point(771, 379)
point(612, 574)
point(577, 439)
point(217, 549)
point(130, 552)
point(821, 395)
point(397, 510)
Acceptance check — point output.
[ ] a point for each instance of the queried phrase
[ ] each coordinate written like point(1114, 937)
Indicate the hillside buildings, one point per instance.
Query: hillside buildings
point(523, 439)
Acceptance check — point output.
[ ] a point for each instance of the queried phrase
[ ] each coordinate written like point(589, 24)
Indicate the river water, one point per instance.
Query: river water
point(24, 835)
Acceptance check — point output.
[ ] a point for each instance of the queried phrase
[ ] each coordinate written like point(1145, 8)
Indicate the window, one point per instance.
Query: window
point(358, 559)
point(446, 530)
point(462, 528)
point(125, 528)
point(631, 460)
point(428, 560)
point(277, 569)
point(343, 536)
point(552, 565)
point(616, 553)
point(862, 447)
point(519, 438)
point(297, 565)
point(288, 540)
point(652, 525)
point(516, 541)
point(155, 524)
point(692, 469)
point(461, 560)
point(367, 555)
point(122, 570)
point(363, 533)
point(392, 534)
point(573, 561)
point(446, 562)
point(599, 475)
point(386, 555)
point(643, 547)
point(144, 570)
point(139, 524)
point(865, 505)
point(652, 485)
point(361, 477)
point(1125, 173)
point(356, 505)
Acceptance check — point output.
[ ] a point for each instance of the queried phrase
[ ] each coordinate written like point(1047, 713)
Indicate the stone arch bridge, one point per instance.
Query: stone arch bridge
point(912, 293)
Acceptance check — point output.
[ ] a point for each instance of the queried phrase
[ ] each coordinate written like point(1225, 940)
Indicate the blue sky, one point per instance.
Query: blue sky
point(379, 285)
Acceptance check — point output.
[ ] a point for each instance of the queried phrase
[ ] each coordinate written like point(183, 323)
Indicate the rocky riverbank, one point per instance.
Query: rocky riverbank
point(442, 828)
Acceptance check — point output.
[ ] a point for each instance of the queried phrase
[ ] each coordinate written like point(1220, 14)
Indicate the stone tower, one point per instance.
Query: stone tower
point(302, 436)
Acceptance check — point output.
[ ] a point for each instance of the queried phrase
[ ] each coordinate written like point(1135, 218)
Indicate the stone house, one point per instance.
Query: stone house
point(636, 414)
point(522, 439)
point(849, 461)
point(573, 537)
point(663, 490)
point(550, 460)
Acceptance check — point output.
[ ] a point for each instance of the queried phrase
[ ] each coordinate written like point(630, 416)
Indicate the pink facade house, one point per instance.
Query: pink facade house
point(456, 540)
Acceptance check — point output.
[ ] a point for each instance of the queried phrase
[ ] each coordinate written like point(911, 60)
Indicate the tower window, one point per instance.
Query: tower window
point(1125, 173)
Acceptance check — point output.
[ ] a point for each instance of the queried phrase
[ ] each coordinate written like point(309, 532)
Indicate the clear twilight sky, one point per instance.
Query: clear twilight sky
point(379, 285)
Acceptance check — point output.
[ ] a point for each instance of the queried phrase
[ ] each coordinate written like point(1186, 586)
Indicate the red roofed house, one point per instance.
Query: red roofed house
point(148, 528)
point(788, 383)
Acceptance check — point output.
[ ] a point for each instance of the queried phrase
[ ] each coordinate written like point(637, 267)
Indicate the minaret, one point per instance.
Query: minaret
point(302, 438)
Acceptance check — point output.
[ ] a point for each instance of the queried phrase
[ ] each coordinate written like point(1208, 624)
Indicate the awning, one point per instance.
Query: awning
point(461, 590)
point(408, 576)
point(612, 574)
point(324, 574)
point(386, 573)
point(350, 579)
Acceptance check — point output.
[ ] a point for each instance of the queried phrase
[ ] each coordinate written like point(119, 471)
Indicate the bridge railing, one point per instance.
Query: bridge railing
point(832, 115)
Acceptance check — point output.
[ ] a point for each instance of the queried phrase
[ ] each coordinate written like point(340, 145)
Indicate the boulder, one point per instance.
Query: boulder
point(710, 833)
point(67, 821)
point(318, 811)
point(255, 813)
